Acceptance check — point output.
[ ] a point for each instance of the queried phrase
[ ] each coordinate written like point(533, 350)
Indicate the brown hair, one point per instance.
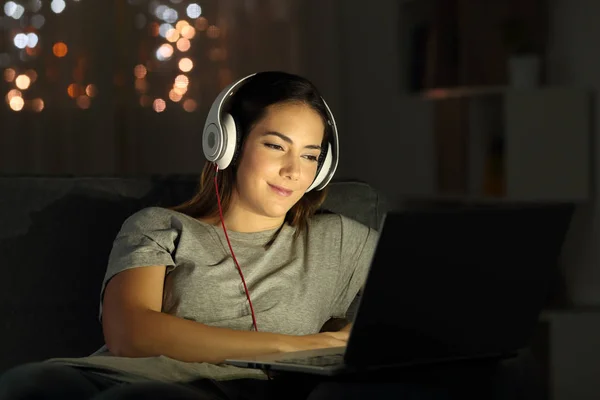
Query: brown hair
point(247, 107)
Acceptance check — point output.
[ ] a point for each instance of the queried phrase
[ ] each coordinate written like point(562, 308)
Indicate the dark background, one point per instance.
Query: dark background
point(406, 79)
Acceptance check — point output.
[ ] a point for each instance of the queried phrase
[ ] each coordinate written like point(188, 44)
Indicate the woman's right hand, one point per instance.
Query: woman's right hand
point(316, 341)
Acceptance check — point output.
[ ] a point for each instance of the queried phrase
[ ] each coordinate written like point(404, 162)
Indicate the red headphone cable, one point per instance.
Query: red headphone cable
point(231, 249)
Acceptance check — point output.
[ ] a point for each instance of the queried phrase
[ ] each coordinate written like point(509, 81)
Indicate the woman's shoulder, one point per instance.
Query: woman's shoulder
point(149, 214)
point(155, 217)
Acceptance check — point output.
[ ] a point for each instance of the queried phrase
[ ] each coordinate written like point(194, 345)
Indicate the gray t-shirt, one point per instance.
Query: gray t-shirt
point(296, 284)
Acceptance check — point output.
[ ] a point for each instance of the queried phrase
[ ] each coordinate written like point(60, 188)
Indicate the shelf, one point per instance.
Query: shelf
point(458, 92)
point(478, 91)
point(449, 43)
point(494, 144)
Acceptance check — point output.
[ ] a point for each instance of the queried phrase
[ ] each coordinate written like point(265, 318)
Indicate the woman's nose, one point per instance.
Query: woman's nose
point(291, 168)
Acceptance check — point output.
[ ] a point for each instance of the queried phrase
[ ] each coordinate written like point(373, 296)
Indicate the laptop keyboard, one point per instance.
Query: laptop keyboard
point(316, 361)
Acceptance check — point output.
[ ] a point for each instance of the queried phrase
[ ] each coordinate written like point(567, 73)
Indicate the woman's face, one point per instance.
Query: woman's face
point(279, 159)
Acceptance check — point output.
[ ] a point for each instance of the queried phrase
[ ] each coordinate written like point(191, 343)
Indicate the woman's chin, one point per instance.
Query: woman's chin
point(276, 212)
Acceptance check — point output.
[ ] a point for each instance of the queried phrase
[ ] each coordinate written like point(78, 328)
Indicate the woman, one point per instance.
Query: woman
point(174, 303)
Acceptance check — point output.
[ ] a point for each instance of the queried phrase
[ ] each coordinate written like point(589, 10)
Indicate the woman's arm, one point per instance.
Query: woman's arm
point(134, 326)
point(347, 328)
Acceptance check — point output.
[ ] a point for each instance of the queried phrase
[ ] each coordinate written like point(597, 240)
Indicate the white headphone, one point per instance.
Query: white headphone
point(219, 139)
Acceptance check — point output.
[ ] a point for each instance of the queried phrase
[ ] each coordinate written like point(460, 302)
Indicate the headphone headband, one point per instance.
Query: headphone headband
point(220, 139)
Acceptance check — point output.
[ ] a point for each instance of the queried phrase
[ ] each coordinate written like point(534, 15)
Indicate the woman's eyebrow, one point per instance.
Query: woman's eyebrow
point(289, 140)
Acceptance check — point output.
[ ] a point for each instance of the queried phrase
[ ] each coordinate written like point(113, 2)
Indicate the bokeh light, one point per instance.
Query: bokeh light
point(193, 10)
point(164, 52)
point(169, 15)
point(20, 40)
point(22, 82)
point(10, 7)
point(140, 71)
point(32, 40)
point(13, 10)
point(164, 28)
point(181, 81)
point(154, 29)
point(37, 21)
point(37, 105)
point(213, 32)
point(31, 52)
point(186, 65)
point(174, 96)
point(159, 105)
point(188, 32)
point(181, 24)
point(32, 75)
point(180, 91)
point(74, 90)
point(172, 35)
point(141, 85)
point(189, 105)
point(176, 23)
point(9, 74)
point(60, 49)
point(16, 103)
point(35, 5)
point(58, 6)
point(201, 24)
point(83, 102)
point(183, 45)
point(13, 93)
point(91, 90)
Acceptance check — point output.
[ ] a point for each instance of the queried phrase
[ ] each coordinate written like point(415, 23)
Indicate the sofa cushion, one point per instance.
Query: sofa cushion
point(54, 242)
point(357, 200)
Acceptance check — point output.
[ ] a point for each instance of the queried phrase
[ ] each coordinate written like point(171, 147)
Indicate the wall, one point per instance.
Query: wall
point(573, 59)
point(376, 139)
point(369, 75)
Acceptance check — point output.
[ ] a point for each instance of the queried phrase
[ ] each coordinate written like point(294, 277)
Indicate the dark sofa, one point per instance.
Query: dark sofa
point(55, 237)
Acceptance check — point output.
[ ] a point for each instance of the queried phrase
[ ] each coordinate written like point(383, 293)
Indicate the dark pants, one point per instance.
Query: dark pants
point(54, 381)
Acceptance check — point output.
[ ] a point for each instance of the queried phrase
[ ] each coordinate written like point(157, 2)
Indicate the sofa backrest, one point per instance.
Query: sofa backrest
point(55, 237)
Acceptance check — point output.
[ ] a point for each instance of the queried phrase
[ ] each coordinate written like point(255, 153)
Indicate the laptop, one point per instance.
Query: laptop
point(445, 285)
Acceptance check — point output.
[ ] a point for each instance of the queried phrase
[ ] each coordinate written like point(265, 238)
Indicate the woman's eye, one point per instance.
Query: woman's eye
point(278, 147)
point(274, 146)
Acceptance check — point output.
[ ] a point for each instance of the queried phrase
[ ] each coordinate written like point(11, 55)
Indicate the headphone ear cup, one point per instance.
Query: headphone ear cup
point(229, 135)
point(323, 170)
point(238, 145)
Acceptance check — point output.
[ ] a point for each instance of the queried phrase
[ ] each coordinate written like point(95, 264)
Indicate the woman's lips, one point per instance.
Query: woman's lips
point(281, 191)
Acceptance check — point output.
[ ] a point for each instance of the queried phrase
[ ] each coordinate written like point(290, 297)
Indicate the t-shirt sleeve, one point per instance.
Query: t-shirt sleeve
point(146, 238)
point(357, 247)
